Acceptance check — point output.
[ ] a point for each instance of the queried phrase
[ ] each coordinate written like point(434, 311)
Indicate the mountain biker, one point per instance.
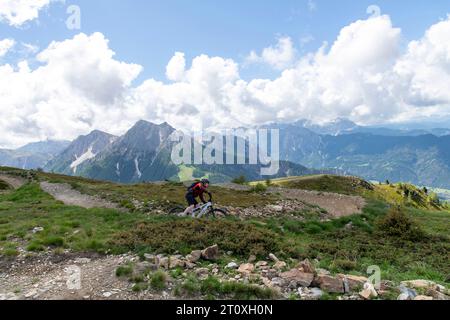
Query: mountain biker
point(196, 190)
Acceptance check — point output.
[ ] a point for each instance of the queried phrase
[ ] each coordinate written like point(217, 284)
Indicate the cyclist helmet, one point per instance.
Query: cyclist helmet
point(205, 181)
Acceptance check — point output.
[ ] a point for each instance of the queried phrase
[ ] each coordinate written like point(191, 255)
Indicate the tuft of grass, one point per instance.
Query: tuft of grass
point(158, 280)
point(212, 287)
point(124, 271)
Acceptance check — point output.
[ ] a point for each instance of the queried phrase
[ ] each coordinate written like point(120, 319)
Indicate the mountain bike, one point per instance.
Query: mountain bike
point(204, 210)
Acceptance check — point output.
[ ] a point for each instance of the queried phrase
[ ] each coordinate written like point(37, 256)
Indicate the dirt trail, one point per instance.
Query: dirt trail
point(13, 181)
point(65, 193)
point(47, 279)
point(337, 205)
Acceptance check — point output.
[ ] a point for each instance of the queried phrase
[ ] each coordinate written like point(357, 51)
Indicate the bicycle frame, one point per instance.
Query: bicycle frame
point(203, 209)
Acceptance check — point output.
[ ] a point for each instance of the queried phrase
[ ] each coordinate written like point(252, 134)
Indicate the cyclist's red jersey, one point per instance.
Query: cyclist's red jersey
point(197, 190)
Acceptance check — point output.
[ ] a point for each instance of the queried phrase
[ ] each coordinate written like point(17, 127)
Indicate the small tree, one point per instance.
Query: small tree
point(240, 180)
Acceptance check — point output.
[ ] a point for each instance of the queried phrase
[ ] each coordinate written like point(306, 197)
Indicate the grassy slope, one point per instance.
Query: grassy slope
point(338, 249)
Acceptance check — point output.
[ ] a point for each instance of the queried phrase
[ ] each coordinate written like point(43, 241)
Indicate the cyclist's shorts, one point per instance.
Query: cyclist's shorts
point(191, 199)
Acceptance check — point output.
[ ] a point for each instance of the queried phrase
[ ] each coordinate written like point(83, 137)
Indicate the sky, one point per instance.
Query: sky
point(218, 64)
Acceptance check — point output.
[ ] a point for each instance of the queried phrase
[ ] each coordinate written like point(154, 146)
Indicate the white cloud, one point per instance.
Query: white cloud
point(280, 56)
point(77, 88)
point(17, 12)
point(363, 75)
point(5, 46)
point(175, 70)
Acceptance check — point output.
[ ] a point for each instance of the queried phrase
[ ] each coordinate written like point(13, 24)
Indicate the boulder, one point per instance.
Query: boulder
point(174, 262)
point(246, 268)
point(189, 265)
point(194, 256)
point(303, 279)
point(330, 284)
point(210, 253)
point(419, 284)
point(353, 283)
point(307, 266)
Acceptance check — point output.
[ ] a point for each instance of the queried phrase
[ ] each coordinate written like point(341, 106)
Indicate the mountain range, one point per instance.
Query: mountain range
point(143, 153)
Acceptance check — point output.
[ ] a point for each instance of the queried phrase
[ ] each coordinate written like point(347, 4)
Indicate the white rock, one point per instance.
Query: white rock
point(232, 265)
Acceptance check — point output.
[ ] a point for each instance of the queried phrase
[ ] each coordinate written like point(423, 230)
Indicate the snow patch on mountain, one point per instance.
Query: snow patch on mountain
point(84, 157)
point(136, 164)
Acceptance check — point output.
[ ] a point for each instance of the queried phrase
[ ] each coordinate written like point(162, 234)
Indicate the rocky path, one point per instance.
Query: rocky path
point(337, 205)
point(66, 194)
point(67, 278)
point(15, 182)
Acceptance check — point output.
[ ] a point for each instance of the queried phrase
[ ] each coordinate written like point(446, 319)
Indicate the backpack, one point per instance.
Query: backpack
point(191, 188)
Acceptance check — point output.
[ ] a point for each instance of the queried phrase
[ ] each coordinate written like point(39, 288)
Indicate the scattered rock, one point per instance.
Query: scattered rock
point(369, 291)
point(201, 271)
point(195, 256)
point(310, 293)
point(142, 267)
point(424, 298)
point(280, 265)
point(437, 295)
point(275, 208)
point(82, 260)
point(406, 293)
point(107, 294)
point(189, 265)
point(330, 284)
point(278, 282)
point(260, 264)
point(273, 258)
point(320, 271)
point(246, 268)
point(210, 253)
point(232, 265)
point(164, 262)
point(38, 229)
point(175, 262)
point(403, 297)
point(303, 279)
point(150, 258)
point(420, 284)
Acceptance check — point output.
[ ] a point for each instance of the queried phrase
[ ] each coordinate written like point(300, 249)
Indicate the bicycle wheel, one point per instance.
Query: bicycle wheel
point(219, 213)
point(176, 210)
